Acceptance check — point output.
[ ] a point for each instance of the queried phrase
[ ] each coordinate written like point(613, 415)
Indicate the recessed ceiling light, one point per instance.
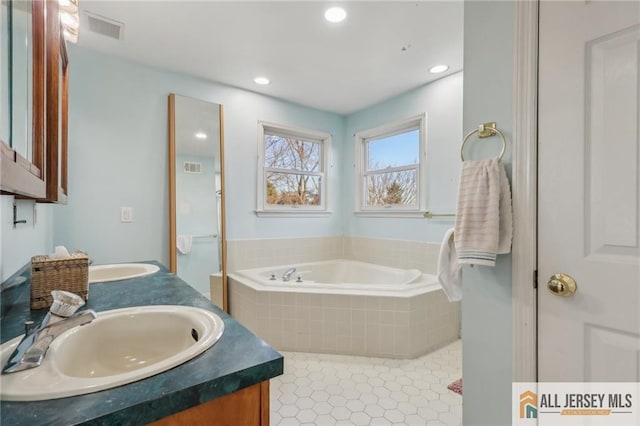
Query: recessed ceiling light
point(438, 69)
point(201, 135)
point(263, 81)
point(335, 14)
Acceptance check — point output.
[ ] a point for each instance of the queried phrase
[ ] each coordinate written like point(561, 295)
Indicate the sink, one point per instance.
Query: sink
point(119, 347)
point(120, 271)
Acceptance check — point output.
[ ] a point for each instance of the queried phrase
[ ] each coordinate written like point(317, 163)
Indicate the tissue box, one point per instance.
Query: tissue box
point(47, 274)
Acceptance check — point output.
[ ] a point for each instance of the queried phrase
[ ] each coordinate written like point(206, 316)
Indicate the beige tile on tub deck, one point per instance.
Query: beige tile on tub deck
point(358, 302)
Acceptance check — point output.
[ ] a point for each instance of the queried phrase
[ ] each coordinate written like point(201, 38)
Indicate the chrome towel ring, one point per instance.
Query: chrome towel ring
point(484, 131)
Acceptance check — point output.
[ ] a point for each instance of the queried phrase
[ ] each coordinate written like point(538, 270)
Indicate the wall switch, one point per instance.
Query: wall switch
point(126, 214)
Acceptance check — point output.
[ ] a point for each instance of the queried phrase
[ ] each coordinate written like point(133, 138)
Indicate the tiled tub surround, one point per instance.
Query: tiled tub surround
point(395, 253)
point(404, 323)
point(247, 254)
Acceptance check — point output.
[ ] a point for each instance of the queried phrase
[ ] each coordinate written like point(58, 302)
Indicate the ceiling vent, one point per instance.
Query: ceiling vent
point(192, 167)
point(105, 26)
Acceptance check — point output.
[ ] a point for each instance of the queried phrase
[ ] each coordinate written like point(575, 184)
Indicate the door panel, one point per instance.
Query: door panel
point(611, 156)
point(589, 190)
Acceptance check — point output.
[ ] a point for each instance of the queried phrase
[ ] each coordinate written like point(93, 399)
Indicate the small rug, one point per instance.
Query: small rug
point(456, 386)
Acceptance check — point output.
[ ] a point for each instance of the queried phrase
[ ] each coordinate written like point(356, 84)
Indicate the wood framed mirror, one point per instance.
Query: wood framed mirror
point(197, 243)
point(22, 111)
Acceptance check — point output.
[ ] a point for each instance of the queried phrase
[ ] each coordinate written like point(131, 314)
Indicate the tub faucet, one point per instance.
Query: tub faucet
point(34, 345)
point(287, 275)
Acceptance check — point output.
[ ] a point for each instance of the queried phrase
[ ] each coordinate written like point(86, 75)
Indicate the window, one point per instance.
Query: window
point(390, 169)
point(291, 170)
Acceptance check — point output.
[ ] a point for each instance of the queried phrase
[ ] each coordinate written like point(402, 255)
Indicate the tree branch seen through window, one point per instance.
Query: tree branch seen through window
point(292, 171)
point(395, 188)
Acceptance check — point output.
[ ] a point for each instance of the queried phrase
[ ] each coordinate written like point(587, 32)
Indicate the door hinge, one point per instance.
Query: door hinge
point(535, 279)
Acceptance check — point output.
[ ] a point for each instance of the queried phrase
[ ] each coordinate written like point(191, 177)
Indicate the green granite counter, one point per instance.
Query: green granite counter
point(238, 360)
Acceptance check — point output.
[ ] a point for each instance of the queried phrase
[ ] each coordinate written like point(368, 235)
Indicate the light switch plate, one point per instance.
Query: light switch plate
point(126, 214)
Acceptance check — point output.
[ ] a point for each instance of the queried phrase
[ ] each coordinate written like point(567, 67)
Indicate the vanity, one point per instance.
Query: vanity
point(228, 384)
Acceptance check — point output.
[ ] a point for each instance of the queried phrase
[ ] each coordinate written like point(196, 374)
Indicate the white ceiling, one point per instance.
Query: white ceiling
point(336, 67)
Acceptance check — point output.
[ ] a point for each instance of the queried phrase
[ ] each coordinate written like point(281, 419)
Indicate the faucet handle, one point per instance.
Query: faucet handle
point(65, 303)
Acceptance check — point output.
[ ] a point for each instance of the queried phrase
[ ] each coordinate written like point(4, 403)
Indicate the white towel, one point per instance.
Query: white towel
point(484, 221)
point(184, 243)
point(449, 270)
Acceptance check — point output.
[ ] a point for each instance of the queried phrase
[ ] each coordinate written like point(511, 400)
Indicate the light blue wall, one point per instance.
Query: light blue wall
point(118, 157)
point(442, 102)
point(197, 214)
point(486, 306)
point(26, 240)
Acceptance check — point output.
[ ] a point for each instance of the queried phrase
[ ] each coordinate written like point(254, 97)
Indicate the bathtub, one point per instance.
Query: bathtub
point(341, 277)
point(345, 307)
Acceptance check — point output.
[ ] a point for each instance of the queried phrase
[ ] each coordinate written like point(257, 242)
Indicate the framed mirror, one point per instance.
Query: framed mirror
point(21, 78)
point(22, 110)
point(197, 249)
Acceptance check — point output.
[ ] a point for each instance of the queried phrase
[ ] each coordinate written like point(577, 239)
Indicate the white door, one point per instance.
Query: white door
point(589, 191)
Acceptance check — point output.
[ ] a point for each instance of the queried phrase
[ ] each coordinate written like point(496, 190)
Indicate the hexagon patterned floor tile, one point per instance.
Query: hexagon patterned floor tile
point(322, 389)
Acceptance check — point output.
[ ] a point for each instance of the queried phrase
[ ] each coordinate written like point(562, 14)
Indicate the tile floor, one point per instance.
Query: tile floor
point(322, 389)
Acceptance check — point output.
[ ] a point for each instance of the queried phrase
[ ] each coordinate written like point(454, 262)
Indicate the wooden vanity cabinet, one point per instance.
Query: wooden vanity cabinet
point(247, 407)
point(56, 124)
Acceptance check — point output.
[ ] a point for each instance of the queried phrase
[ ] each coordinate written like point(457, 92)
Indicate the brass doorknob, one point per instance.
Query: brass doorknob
point(562, 285)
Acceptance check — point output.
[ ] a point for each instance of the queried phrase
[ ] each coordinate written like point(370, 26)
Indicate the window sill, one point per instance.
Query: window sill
point(296, 213)
point(389, 213)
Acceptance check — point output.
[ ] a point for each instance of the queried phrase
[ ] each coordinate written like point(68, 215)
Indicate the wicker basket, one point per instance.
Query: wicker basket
point(47, 274)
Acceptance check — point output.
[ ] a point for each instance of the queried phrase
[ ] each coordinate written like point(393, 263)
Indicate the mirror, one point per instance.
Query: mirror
point(22, 109)
point(20, 45)
point(196, 197)
point(5, 72)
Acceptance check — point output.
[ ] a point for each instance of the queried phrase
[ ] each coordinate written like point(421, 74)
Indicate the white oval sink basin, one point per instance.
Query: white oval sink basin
point(120, 271)
point(119, 347)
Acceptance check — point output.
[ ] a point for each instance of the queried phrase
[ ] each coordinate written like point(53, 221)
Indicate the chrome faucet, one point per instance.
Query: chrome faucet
point(287, 275)
point(34, 345)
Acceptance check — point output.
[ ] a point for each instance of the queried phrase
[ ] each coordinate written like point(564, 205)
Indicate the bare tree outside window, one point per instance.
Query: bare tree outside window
point(396, 188)
point(293, 174)
point(391, 171)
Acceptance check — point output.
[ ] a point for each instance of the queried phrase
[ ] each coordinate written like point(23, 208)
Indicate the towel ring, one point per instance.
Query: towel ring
point(484, 131)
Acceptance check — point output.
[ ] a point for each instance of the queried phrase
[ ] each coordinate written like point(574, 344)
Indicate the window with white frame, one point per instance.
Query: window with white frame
point(390, 168)
point(292, 167)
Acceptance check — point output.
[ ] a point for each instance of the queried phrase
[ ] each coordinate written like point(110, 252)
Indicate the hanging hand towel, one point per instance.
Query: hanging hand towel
point(484, 222)
point(449, 271)
point(184, 243)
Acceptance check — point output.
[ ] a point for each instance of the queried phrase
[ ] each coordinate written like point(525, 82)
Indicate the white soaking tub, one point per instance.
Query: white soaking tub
point(344, 306)
point(341, 277)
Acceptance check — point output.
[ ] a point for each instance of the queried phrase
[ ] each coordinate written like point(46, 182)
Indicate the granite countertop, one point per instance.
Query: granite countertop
point(238, 360)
